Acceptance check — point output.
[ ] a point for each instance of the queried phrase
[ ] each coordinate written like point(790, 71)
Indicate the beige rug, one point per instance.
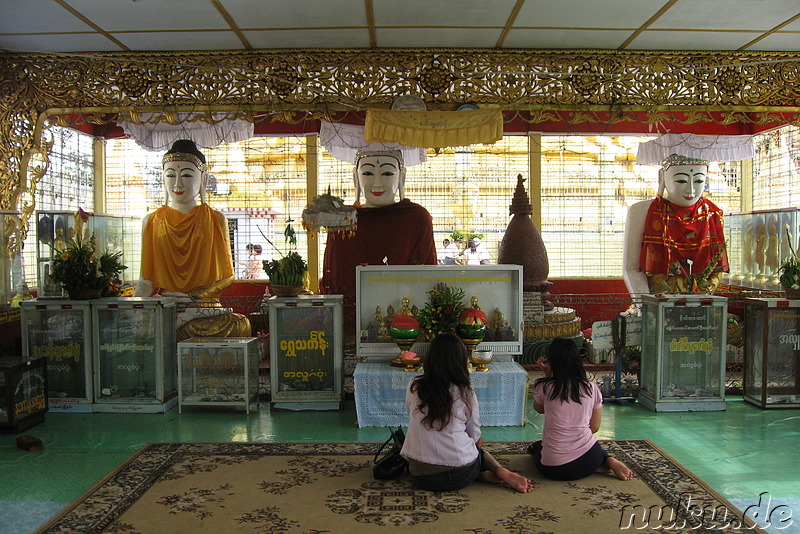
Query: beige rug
point(328, 487)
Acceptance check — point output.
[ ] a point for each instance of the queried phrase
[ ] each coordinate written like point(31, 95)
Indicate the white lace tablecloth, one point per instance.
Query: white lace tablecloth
point(380, 391)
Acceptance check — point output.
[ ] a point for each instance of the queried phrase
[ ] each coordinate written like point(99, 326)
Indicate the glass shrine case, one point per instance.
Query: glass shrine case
point(757, 245)
point(498, 287)
point(10, 259)
point(218, 371)
point(772, 352)
point(306, 352)
point(134, 354)
point(55, 228)
point(61, 332)
point(683, 352)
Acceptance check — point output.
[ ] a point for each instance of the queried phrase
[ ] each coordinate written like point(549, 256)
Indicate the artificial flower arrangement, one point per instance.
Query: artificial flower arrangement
point(700, 282)
point(81, 270)
point(440, 314)
point(790, 268)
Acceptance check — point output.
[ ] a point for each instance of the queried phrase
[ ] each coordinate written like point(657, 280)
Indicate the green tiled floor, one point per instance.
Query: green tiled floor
point(741, 452)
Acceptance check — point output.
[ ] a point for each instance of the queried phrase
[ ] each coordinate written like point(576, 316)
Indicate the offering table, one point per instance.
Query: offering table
point(380, 392)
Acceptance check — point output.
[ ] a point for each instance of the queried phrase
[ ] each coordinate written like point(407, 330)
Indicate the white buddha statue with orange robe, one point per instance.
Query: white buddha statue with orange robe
point(186, 250)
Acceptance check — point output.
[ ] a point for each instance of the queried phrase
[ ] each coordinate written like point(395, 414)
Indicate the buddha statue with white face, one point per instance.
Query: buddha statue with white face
point(391, 230)
point(186, 250)
point(675, 243)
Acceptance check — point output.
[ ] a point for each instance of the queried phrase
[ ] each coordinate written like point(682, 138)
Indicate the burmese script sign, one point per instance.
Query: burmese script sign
point(695, 343)
point(305, 364)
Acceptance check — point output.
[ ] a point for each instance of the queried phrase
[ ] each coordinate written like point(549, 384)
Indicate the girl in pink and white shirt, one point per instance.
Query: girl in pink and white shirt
point(443, 444)
point(572, 408)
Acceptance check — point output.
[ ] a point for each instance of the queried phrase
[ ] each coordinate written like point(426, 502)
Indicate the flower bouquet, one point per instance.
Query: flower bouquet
point(440, 314)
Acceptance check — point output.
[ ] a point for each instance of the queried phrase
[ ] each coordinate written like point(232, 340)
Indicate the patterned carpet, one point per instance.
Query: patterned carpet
point(328, 487)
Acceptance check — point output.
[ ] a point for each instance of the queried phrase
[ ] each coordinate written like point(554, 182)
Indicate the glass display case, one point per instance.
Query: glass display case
point(11, 279)
point(497, 287)
point(683, 352)
point(23, 392)
point(772, 352)
point(306, 352)
point(61, 331)
point(55, 228)
point(134, 354)
point(758, 244)
point(218, 371)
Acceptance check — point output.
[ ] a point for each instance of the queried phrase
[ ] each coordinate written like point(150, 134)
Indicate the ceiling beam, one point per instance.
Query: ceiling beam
point(94, 26)
point(510, 23)
point(370, 11)
point(770, 32)
point(232, 24)
point(644, 26)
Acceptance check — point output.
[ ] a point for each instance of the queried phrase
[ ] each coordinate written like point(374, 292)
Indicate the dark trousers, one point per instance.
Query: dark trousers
point(452, 479)
point(580, 467)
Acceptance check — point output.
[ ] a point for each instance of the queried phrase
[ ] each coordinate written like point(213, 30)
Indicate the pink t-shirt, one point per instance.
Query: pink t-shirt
point(452, 446)
point(566, 434)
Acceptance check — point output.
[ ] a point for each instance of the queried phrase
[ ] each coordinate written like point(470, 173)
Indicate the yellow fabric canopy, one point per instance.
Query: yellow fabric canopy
point(434, 129)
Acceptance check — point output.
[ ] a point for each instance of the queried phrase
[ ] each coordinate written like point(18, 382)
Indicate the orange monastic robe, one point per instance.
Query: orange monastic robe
point(186, 252)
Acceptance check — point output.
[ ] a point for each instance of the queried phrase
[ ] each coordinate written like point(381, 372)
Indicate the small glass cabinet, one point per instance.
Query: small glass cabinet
point(218, 371)
point(772, 352)
point(23, 393)
point(134, 354)
point(683, 353)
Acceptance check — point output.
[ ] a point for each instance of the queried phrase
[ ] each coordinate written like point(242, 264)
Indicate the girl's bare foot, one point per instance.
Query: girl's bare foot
point(620, 470)
point(509, 478)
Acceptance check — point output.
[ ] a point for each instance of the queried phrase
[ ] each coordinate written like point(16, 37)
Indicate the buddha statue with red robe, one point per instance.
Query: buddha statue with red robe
point(675, 243)
point(390, 229)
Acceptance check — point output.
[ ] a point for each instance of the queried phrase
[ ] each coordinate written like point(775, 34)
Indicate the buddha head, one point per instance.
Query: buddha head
point(685, 179)
point(381, 176)
point(185, 174)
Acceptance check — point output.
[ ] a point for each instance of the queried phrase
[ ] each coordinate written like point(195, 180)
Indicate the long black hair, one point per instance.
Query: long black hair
point(445, 366)
point(569, 377)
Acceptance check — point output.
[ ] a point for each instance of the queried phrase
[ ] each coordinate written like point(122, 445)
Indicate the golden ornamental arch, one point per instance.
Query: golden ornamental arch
point(570, 86)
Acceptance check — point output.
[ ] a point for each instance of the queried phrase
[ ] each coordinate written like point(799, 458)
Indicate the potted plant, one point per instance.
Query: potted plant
point(790, 270)
point(81, 271)
point(287, 274)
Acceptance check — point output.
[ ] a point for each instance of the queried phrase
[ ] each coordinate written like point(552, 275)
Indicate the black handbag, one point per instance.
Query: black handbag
point(392, 465)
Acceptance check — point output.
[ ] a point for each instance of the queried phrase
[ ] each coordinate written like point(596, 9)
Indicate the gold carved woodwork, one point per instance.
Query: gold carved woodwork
point(570, 86)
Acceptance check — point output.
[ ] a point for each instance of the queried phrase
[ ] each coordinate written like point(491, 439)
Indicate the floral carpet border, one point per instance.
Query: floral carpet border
point(103, 504)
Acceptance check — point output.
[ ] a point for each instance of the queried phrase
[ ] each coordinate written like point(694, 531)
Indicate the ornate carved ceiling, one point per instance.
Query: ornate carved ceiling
point(290, 85)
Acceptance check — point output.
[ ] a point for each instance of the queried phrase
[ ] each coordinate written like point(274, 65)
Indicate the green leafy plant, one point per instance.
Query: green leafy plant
point(440, 314)
point(790, 268)
point(465, 236)
point(79, 268)
point(290, 270)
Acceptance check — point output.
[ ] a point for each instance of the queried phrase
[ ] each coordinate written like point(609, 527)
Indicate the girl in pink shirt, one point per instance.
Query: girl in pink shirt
point(443, 442)
point(572, 408)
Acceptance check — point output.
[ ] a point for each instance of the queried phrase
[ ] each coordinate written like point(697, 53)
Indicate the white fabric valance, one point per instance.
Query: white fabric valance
point(705, 147)
point(344, 140)
point(159, 136)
